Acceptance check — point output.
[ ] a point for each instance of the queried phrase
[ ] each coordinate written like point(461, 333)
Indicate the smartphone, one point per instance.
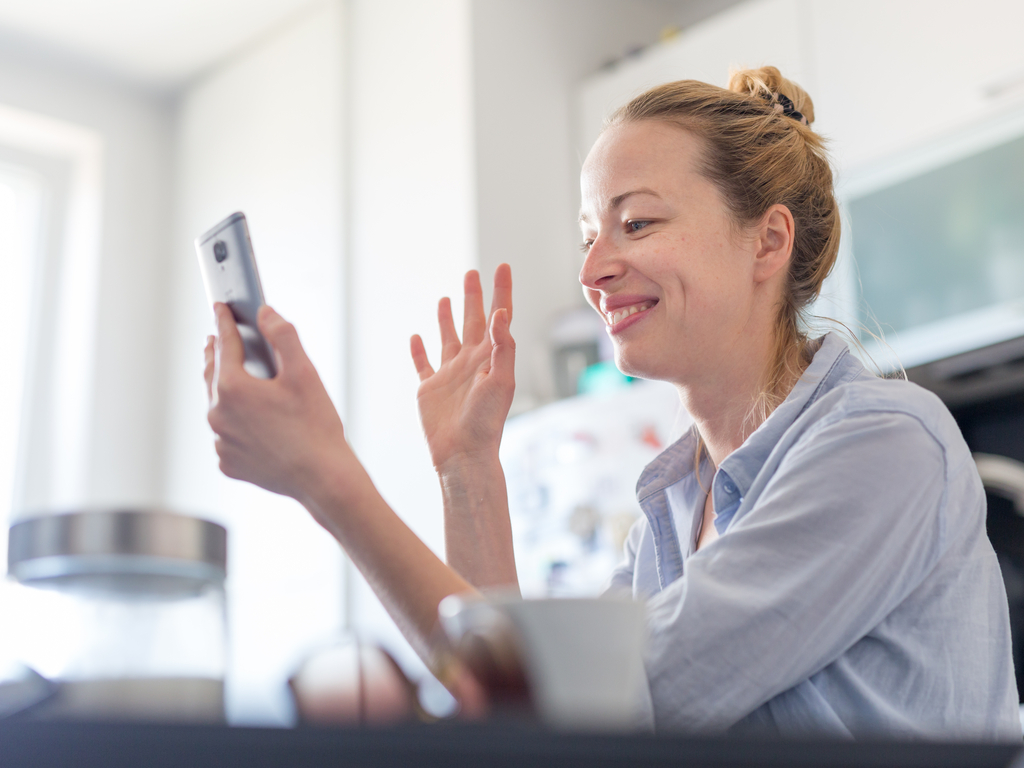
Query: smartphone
point(229, 273)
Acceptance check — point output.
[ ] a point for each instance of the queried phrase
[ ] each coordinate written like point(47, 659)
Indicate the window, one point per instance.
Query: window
point(49, 234)
point(21, 197)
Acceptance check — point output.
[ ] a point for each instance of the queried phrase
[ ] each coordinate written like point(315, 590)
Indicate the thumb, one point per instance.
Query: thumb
point(282, 336)
point(232, 351)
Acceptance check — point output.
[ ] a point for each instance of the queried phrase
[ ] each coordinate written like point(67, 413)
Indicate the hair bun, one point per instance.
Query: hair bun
point(767, 82)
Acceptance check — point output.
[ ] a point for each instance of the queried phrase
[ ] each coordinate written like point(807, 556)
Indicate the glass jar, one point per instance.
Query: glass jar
point(125, 611)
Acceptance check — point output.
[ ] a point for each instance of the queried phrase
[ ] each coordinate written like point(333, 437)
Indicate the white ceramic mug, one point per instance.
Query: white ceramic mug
point(583, 658)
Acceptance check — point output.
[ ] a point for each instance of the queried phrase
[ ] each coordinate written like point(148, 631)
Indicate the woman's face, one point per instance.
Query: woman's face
point(666, 266)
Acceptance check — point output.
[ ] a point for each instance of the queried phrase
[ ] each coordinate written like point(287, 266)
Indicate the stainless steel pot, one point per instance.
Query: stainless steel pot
point(125, 611)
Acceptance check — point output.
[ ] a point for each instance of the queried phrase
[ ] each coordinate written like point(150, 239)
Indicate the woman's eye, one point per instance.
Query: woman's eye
point(585, 245)
point(636, 226)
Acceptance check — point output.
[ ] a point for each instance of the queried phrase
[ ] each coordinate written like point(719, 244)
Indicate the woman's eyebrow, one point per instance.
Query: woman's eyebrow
point(620, 199)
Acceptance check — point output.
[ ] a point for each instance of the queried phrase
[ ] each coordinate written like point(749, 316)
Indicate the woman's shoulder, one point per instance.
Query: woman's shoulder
point(880, 434)
point(869, 397)
point(841, 387)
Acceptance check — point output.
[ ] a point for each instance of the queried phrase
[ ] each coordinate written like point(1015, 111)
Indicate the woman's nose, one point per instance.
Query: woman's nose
point(601, 265)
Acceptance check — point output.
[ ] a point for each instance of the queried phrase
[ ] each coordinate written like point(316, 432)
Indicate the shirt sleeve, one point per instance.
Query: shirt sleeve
point(849, 525)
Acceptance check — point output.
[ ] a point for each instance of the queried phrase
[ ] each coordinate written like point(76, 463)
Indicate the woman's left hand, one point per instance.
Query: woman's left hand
point(464, 403)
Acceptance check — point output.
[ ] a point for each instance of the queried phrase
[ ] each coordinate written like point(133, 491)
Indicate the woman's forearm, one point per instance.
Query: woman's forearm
point(477, 531)
point(406, 575)
point(285, 435)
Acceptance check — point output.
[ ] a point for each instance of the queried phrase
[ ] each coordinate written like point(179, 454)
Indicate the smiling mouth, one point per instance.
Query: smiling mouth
point(616, 317)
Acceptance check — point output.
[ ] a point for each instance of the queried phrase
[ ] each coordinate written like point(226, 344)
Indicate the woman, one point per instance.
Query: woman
point(813, 554)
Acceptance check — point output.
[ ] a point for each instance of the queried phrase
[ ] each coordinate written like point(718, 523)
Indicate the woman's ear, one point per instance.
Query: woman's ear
point(775, 236)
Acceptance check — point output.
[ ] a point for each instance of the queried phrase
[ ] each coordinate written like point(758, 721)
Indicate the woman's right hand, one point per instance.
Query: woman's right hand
point(285, 435)
point(282, 434)
point(464, 403)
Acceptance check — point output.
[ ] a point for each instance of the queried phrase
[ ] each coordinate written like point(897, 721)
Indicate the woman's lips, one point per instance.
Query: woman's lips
point(622, 318)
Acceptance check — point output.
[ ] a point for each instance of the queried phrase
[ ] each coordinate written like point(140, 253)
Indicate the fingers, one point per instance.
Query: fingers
point(230, 350)
point(419, 358)
point(472, 697)
point(450, 345)
point(283, 338)
point(474, 323)
point(208, 369)
point(502, 298)
point(503, 346)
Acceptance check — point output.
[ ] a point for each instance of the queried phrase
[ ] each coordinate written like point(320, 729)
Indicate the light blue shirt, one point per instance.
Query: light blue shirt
point(853, 590)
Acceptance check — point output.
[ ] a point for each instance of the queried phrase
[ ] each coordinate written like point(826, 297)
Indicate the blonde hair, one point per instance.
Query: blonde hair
point(758, 155)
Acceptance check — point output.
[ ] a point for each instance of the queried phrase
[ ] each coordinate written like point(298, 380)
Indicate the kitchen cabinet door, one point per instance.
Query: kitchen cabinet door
point(749, 35)
point(890, 76)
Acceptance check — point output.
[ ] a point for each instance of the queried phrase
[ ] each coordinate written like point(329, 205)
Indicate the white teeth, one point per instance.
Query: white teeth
point(621, 314)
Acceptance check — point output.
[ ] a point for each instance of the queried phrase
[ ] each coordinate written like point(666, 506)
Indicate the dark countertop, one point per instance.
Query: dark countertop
point(85, 745)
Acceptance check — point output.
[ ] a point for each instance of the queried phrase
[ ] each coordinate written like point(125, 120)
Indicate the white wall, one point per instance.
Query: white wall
point(263, 134)
point(412, 236)
point(120, 391)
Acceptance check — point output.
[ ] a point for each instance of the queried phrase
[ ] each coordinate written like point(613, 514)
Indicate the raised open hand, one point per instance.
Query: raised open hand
point(463, 404)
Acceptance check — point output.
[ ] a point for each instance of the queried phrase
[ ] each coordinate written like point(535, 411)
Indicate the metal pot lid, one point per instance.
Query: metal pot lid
point(120, 550)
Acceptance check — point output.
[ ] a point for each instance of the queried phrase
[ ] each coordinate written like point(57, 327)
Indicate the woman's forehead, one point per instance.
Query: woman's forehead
point(655, 156)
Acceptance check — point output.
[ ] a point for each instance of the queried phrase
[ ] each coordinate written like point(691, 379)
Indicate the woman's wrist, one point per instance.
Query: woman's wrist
point(333, 486)
point(473, 484)
point(469, 464)
point(478, 533)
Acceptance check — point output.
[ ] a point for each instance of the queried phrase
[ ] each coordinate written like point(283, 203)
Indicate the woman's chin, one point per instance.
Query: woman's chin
point(634, 365)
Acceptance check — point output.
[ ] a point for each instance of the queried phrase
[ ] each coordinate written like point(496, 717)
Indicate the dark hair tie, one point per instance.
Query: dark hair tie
point(782, 103)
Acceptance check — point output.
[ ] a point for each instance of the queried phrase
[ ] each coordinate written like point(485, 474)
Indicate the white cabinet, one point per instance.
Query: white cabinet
point(901, 90)
point(749, 35)
point(888, 76)
point(884, 75)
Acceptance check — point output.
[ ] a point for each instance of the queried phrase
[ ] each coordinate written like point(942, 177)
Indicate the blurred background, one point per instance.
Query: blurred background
point(380, 148)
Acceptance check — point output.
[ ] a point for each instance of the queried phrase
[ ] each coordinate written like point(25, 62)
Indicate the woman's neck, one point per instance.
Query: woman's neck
point(723, 405)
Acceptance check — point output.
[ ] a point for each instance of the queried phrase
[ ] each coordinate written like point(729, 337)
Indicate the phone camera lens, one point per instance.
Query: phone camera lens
point(220, 251)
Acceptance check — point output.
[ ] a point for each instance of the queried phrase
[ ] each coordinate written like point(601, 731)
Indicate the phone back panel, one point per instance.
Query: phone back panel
point(229, 273)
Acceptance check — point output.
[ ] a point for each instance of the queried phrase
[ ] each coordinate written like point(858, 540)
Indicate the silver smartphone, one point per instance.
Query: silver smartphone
point(229, 273)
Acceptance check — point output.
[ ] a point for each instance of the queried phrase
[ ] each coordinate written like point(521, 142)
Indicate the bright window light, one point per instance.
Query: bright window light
point(21, 197)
